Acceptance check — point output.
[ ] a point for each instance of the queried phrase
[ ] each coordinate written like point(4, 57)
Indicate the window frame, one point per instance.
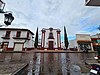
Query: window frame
point(17, 34)
point(7, 34)
point(27, 34)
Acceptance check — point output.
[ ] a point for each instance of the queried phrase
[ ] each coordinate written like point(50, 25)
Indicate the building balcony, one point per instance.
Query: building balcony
point(24, 38)
point(5, 37)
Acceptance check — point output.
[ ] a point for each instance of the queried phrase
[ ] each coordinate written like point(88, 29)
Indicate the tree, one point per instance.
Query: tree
point(65, 39)
point(36, 39)
point(99, 28)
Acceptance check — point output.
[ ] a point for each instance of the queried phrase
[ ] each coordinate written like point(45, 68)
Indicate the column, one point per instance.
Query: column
point(43, 39)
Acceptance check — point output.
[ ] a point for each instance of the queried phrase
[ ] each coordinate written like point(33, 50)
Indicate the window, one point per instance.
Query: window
point(51, 36)
point(98, 41)
point(27, 34)
point(0, 45)
point(85, 46)
point(18, 33)
point(7, 34)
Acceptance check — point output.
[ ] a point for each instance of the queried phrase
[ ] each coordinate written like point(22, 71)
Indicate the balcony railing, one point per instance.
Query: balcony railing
point(5, 37)
point(26, 38)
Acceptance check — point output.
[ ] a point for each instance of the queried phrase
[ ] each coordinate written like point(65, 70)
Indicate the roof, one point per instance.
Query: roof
point(92, 2)
point(84, 34)
point(23, 29)
point(50, 28)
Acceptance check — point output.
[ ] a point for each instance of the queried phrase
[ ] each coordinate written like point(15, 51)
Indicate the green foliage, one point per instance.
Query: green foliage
point(36, 39)
point(65, 39)
point(99, 27)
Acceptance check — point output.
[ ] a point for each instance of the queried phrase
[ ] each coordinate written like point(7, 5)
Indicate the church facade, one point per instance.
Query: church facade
point(51, 39)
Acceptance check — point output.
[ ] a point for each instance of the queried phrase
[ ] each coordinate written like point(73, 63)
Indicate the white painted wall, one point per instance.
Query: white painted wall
point(46, 38)
point(2, 19)
point(73, 43)
point(55, 38)
point(2, 33)
point(24, 34)
point(83, 37)
point(42, 39)
point(59, 38)
point(28, 43)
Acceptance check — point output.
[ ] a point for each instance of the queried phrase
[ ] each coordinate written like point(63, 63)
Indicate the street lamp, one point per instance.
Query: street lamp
point(8, 17)
point(2, 5)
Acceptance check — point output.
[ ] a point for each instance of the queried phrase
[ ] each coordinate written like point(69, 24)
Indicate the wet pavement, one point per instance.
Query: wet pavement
point(51, 63)
point(10, 68)
point(61, 64)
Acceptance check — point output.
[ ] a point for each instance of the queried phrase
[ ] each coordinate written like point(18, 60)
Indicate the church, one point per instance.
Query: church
point(51, 39)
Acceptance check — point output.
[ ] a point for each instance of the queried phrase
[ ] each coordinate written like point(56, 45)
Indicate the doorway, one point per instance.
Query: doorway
point(18, 47)
point(51, 45)
point(5, 46)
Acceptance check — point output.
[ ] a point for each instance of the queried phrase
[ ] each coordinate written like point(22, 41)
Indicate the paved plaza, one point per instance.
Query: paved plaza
point(57, 62)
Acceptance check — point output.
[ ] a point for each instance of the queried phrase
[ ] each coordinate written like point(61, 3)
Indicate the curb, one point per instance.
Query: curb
point(20, 69)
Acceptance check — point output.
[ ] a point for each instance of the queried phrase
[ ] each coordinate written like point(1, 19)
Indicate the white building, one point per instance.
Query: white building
point(73, 44)
point(51, 39)
point(82, 42)
point(16, 39)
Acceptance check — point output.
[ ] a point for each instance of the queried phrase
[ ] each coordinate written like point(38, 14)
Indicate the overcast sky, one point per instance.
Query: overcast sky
point(73, 14)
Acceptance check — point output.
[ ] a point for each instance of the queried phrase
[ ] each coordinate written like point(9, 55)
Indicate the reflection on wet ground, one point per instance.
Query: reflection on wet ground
point(59, 64)
point(50, 63)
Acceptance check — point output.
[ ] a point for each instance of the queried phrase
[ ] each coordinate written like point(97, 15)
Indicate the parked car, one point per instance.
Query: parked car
point(95, 69)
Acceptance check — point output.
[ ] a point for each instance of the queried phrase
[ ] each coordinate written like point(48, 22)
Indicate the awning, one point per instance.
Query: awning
point(84, 41)
point(92, 2)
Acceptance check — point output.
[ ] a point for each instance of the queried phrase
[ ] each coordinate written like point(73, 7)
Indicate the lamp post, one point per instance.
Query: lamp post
point(2, 5)
point(8, 17)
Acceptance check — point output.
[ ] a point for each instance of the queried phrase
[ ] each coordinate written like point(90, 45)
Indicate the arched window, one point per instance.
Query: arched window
point(51, 36)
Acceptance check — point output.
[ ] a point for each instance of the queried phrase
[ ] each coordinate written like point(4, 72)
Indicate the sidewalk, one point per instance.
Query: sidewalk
point(10, 68)
point(60, 51)
point(86, 66)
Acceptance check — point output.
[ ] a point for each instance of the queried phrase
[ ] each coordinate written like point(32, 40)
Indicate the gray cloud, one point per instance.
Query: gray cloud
point(54, 13)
